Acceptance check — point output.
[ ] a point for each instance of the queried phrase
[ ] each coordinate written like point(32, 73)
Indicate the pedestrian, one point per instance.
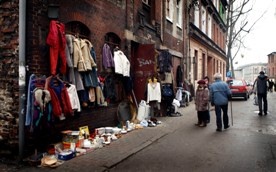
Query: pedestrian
point(260, 88)
point(206, 79)
point(270, 85)
point(201, 103)
point(219, 95)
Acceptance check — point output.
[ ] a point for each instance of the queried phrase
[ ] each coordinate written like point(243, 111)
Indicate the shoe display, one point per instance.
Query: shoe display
point(219, 129)
point(227, 126)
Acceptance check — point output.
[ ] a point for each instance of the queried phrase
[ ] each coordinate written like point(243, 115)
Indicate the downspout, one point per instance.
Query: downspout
point(22, 74)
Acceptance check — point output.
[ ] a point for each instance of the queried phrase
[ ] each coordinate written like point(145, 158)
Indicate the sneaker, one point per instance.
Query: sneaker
point(219, 129)
point(226, 127)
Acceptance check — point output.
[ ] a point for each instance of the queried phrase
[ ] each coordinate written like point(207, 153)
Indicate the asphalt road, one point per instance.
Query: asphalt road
point(248, 145)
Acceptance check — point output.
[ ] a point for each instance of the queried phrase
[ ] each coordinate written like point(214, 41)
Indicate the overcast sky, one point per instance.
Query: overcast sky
point(261, 41)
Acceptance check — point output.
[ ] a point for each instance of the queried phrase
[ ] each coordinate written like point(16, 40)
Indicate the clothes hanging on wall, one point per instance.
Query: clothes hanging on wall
point(121, 63)
point(60, 98)
point(107, 58)
point(57, 42)
point(34, 82)
point(73, 75)
point(153, 91)
point(164, 61)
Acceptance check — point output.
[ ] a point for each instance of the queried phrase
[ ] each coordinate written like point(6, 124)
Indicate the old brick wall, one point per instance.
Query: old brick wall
point(9, 89)
point(92, 15)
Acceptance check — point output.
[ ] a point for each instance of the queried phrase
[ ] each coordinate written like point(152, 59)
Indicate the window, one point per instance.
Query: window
point(169, 10)
point(179, 13)
point(147, 15)
point(209, 26)
point(203, 20)
point(196, 19)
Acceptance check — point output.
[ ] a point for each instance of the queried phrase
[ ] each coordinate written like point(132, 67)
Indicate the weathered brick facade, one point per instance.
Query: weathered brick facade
point(9, 89)
point(99, 19)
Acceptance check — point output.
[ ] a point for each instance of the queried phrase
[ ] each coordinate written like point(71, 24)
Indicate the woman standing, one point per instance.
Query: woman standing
point(201, 103)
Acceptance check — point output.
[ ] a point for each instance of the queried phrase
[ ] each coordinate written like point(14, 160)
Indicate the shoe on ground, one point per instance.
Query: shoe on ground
point(197, 124)
point(265, 113)
point(260, 114)
point(219, 129)
point(227, 126)
point(202, 125)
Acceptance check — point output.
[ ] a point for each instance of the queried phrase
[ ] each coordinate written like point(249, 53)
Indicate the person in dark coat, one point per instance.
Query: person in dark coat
point(260, 88)
point(206, 79)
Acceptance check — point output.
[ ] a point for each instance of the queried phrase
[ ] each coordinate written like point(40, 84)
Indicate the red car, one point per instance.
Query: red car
point(239, 88)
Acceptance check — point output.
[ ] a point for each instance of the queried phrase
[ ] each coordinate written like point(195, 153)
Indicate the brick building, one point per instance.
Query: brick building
point(207, 39)
point(141, 29)
point(271, 65)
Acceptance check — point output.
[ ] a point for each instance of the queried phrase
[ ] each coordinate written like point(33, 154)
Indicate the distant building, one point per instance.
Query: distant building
point(249, 72)
point(271, 66)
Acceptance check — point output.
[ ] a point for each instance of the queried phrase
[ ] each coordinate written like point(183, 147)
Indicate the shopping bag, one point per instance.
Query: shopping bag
point(143, 110)
point(255, 100)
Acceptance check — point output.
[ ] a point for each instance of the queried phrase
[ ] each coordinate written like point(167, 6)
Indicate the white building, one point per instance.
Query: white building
point(250, 72)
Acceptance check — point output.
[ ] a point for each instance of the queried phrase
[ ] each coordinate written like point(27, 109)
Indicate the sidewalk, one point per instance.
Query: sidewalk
point(102, 159)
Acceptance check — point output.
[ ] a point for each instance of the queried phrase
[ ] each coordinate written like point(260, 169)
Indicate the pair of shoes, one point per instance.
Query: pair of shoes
point(260, 114)
point(227, 126)
point(219, 129)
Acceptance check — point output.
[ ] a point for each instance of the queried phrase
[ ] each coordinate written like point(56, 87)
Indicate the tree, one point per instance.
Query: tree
point(237, 28)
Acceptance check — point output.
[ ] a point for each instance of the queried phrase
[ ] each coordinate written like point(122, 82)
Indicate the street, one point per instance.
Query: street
point(248, 145)
point(178, 145)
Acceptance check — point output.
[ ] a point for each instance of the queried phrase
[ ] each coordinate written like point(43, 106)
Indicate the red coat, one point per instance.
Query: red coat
point(57, 42)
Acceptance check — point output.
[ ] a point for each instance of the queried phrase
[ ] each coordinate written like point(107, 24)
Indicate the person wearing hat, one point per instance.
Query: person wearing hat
point(201, 103)
point(260, 88)
point(219, 95)
point(206, 79)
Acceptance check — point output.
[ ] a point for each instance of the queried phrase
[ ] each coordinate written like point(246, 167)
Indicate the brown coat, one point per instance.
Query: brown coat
point(202, 99)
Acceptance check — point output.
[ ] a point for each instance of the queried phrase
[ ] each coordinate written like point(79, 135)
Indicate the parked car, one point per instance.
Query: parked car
point(250, 87)
point(239, 88)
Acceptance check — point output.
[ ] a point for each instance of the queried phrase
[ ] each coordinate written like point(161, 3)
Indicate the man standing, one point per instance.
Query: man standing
point(260, 86)
point(219, 95)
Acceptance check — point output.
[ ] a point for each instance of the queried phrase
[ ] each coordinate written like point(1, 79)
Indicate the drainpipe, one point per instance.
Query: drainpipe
point(22, 74)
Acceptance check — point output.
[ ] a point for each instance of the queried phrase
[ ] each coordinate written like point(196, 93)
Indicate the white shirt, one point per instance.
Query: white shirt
point(154, 92)
point(121, 63)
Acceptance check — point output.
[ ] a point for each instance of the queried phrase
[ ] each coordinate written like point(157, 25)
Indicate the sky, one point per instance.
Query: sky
point(261, 41)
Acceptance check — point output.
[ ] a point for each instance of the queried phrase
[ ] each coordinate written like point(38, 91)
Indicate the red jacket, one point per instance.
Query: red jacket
point(57, 42)
point(59, 97)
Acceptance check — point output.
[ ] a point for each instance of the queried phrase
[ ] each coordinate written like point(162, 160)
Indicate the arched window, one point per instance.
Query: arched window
point(78, 29)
